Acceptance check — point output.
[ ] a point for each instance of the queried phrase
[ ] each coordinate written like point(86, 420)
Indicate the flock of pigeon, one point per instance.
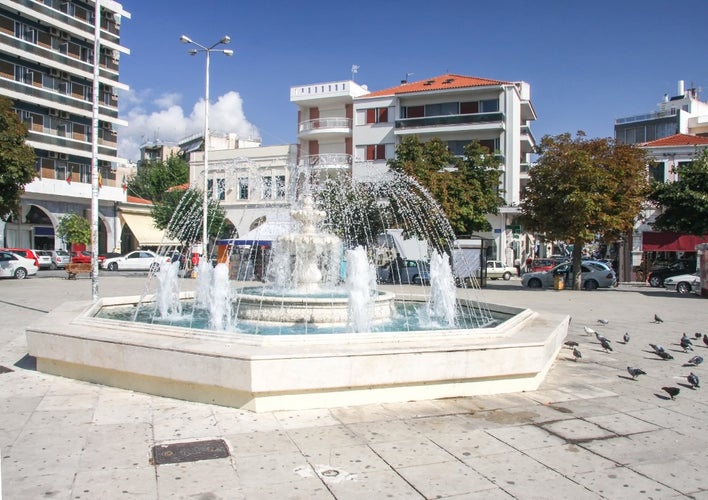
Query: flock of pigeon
point(685, 342)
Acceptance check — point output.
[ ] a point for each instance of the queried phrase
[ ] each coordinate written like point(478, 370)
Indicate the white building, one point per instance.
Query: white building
point(342, 125)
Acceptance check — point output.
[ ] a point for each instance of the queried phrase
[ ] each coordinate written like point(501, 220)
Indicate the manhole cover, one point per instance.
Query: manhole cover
point(189, 452)
point(330, 473)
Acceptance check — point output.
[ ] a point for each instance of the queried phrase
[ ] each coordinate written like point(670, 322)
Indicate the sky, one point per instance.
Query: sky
point(588, 63)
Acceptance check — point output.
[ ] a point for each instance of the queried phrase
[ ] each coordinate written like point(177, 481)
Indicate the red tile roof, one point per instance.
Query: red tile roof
point(135, 199)
point(179, 187)
point(443, 82)
point(677, 140)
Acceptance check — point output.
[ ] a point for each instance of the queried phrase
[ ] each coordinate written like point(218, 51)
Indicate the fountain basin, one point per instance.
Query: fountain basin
point(267, 373)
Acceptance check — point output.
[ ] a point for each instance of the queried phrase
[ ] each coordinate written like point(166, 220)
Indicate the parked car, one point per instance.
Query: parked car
point(60, 258)
point(684, 266)
point(595, 274)
point(403, 271)
point(13, 265)
point(684, 283)
point(138, 260)
point(26, 253)
point(45, 258)
point(84, 257)
point(496, 269)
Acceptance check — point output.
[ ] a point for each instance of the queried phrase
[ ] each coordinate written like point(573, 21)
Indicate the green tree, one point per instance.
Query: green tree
point(684, 202)
point(17, 160)
point(581, 188)
point(180, 213)
point(467, 188)
point(75, 229)
point(154, 177)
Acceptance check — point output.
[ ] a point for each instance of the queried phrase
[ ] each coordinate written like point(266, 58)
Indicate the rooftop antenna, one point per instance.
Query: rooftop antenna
point(355, 70)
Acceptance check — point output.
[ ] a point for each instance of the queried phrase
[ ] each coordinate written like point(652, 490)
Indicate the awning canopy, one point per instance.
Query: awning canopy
point(144, 230)
point(263, 235)
point(671, 242)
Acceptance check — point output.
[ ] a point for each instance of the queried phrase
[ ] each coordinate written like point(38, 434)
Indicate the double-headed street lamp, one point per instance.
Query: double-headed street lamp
point(207, 51)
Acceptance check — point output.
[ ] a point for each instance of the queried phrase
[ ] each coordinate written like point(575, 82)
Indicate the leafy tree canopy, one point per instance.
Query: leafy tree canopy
point(155, 177)
point(74, 228)
point(580, 188)
point(467, 188)
point(17, 160)
point(180, 213)
point(685, 201)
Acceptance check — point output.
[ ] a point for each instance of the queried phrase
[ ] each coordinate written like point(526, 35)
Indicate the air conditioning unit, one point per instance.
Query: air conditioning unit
point(107, 89)
point(64, 115)
point(64, 35)
point(116, 54)
point(54, 31)
point(54, 72)
point(52, 154)
point(64, 75)
point(106, 125)
point(53, 112)
point(63, 156)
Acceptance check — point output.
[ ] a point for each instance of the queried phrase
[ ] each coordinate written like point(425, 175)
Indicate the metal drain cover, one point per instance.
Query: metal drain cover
point(176, 453)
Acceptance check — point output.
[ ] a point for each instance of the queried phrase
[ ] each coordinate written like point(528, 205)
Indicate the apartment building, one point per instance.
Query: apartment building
point(47, 69)
point(343, 126)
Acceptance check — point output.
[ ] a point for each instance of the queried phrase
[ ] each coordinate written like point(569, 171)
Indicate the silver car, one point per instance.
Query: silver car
point(684, 283)
point(595, 274)
point(60, 259)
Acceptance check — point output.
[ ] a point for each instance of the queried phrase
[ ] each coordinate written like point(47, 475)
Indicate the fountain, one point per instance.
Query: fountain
point(312, 335)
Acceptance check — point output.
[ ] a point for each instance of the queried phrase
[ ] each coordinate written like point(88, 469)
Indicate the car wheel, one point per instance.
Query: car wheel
point(656, 281)
point(154, 267)
point(112, 266)
point(683, 288)
point(507, 276)
point(20, 273)
point(535, 283)
point(591, 285)
point(53, 266)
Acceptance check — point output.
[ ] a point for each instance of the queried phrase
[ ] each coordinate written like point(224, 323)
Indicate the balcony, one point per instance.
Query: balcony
point(496, 120)
point(327, 161)
point(325, 127)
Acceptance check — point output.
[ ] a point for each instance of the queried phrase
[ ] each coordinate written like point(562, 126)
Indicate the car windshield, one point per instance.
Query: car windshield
point(61, 252)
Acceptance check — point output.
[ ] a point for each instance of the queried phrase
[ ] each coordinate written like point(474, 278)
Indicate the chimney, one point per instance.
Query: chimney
point(680, 88)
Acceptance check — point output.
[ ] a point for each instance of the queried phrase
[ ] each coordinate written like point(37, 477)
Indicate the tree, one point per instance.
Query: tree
point(75, 229)
point(684, 202)
point(17, 160)
point(581, 188)
point(466, 188)
point(155, 177)
point(180, 213)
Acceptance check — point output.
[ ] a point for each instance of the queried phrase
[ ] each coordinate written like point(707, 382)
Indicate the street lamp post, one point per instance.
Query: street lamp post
point(207, 51)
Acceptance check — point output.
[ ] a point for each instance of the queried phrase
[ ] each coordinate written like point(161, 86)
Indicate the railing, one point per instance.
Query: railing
point(450, 120)
point(324, 123)
point(647, 116)
point(326, 161)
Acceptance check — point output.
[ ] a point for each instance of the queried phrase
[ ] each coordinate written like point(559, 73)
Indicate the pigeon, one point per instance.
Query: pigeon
point(665, 355)
point(693, 380)
point(635, 372)
point(626, 337)
point(686, 343)
point(601, 337)
point(605, 344)
point(657, 348)
point(705, 339)
point(589, 331)
point(671, 391)
point(696, 360)
point(571, 343)
point(657, 319)
point(603, 321)
point(697, 335)
point(577, 354)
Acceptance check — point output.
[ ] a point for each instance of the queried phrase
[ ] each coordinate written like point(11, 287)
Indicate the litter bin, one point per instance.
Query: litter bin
point(558, 281)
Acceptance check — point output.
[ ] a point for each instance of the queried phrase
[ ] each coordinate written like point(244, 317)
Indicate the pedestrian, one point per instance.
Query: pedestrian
point(517, 265)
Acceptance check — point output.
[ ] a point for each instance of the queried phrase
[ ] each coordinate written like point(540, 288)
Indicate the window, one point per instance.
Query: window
point(492, 145)
point(413, 112)
point(468, 108)
point(221, 189)
point(656, 171)
point(376, 152)
point(280, 187)
point(242, 188)
point(84, 171)
point(60, 170)
point(377, 115)
point(489, 106)
point(457, 148)
point(442, 109)
point(267, 191)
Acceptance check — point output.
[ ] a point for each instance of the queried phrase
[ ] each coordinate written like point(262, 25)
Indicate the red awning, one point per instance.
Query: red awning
point(671, 242)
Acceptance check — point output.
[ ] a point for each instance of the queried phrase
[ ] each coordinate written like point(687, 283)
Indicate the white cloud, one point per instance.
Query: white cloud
point(163, 119)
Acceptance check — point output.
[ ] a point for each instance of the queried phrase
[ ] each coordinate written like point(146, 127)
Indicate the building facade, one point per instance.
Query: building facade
point(344, 126)
point(47, 69)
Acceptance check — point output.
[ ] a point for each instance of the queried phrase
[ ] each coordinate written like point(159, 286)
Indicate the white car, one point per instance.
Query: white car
point(16, 266)
point(684, 283)
point(139, 260)
point(496, 269)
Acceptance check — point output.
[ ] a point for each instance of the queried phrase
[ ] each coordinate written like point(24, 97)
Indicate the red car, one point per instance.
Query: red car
point(84, 257)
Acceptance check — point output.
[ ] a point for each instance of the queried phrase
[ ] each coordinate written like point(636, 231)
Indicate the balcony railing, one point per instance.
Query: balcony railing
point(646, 117)
point(326, 161)
point(450, 120)
point(324, 123)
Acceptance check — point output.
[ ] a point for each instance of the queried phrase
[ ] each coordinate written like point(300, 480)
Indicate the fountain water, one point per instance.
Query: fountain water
point(394, 344)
